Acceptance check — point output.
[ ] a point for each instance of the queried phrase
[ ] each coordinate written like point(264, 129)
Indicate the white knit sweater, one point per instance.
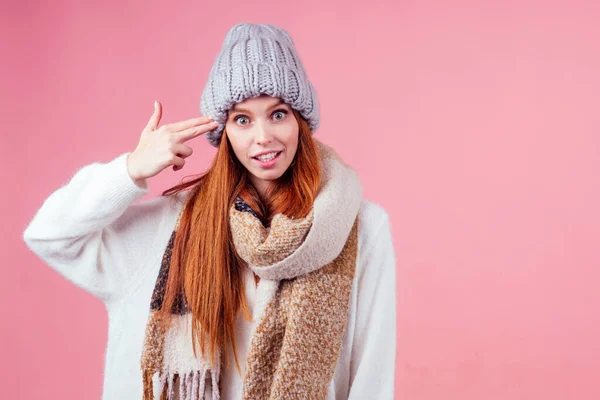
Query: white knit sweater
point(91, 232)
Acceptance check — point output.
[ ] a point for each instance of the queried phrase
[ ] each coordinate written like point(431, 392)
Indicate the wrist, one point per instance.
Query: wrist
point(141, 183)
point(131, 171)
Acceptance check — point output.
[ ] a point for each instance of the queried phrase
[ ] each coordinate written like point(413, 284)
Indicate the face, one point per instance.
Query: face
point(264, 126)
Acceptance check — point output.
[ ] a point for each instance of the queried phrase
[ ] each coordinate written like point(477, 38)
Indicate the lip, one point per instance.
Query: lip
point(270, 163)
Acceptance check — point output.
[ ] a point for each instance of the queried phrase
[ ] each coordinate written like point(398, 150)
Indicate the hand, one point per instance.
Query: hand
point(161, 147)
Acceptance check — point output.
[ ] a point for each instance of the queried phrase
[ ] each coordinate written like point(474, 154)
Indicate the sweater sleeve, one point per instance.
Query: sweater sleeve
point(90, 232)
point(372, 365)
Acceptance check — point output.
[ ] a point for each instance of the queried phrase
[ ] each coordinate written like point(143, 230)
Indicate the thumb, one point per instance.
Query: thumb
point(156, 115)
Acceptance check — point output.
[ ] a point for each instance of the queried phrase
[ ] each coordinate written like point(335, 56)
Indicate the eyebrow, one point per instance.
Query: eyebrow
point(237, 109)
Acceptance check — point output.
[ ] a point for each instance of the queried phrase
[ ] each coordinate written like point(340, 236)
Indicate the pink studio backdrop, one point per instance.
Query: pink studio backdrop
point(475, 124)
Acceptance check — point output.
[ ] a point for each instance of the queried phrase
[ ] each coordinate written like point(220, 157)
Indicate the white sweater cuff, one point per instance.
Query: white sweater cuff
point(124, 190)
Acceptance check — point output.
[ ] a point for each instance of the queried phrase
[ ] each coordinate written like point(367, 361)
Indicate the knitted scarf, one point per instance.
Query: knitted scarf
point(306, 267)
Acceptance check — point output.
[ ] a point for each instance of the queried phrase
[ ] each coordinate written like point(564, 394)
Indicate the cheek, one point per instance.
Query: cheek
point(238, 139)
point(289, 135)
point(237, 145)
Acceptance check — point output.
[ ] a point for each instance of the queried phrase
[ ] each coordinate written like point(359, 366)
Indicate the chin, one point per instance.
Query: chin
point(268, 175)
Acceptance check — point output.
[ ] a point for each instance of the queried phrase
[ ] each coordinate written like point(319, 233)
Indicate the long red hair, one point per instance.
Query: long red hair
point(204, 261)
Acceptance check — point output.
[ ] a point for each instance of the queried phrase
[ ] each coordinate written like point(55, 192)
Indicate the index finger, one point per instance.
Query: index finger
point(195, 131)
point(189, 123)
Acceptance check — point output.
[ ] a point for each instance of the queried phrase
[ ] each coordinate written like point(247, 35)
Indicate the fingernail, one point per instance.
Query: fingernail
point(155, 105)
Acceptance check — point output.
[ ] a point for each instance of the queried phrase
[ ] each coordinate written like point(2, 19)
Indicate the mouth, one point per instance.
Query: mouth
point(269, 161)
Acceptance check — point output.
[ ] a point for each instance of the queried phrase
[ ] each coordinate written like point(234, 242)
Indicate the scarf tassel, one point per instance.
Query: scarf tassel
point(191, 386)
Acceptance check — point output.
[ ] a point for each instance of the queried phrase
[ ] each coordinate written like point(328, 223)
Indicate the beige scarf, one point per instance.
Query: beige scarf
point(306, 268)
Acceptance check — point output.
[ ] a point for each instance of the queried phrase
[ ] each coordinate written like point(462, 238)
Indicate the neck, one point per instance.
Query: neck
point(260, 185)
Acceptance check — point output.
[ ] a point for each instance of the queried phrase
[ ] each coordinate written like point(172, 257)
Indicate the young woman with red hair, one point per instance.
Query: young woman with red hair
point(267, 277)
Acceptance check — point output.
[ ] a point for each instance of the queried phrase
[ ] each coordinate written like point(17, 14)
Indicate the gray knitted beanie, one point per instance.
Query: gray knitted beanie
point(257, 59)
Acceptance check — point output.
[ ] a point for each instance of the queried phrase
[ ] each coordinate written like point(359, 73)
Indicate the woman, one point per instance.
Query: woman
point(267, 277)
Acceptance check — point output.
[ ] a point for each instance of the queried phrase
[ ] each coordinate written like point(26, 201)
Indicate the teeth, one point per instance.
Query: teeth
point(267, 157)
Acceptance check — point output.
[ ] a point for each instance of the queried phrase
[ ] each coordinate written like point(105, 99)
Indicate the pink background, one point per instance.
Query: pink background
point(475, 124)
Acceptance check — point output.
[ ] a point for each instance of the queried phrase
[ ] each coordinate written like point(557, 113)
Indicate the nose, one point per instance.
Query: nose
point(263, 134)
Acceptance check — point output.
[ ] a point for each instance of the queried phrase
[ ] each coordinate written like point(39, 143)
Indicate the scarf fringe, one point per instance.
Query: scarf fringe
point(190, 386)
point(148, 389)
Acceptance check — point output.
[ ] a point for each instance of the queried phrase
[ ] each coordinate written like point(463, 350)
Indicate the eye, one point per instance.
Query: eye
point(242, 118)
point(279, 114)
